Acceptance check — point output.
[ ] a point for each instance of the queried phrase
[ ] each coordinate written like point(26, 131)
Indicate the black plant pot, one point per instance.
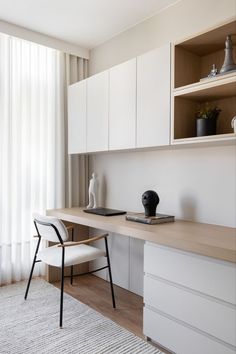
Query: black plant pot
point(205, 126)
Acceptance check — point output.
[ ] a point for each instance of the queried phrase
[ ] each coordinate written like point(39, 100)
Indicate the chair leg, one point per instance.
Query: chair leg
point(62, 287)
point(71, 268)
point(110, 275)
point(32, 268)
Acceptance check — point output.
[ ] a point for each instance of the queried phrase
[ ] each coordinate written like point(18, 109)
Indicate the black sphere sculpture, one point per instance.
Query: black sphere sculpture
point(150, 200)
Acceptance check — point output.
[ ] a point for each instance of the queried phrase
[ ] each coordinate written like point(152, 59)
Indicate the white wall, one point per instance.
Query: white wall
point(184, 19)
point(193, 183)
point(36, 37)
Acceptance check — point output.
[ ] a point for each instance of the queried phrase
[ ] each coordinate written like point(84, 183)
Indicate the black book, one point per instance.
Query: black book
point(152, 220)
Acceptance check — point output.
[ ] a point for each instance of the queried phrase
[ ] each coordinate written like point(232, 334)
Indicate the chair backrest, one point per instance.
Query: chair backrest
point(47, 226)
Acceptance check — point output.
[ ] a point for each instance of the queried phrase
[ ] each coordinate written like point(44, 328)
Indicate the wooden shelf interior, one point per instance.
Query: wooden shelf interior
point(194, 58)
point(185, 111)
point(209, 90)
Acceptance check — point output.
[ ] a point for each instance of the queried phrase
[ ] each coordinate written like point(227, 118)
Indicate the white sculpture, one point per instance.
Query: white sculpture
point(233, 124)
point(93, 189)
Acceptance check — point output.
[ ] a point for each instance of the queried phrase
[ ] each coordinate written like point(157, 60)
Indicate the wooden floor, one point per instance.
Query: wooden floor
point(95, 292)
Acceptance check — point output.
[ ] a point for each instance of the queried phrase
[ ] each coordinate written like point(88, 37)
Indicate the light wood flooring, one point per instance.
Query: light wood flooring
point(95, 292)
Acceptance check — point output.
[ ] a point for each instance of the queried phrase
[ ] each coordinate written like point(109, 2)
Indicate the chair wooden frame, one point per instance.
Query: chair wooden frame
point(64, 245)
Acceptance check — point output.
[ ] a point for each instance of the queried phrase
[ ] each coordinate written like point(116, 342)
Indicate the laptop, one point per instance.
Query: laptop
point(104, 211)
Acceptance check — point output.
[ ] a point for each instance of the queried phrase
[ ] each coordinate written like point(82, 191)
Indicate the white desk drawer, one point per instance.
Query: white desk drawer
point(178, 338)
point(207, 275)
point(213, 317)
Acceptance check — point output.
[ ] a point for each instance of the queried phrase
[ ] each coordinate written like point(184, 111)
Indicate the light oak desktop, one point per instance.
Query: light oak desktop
point(205, 239)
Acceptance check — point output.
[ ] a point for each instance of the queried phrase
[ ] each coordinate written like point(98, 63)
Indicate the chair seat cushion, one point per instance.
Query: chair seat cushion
point(73, 255)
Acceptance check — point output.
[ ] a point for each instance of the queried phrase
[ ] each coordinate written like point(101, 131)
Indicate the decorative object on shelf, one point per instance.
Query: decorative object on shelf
point(206, 120)
point(150, 220)
point(150, 200)
point(213, 71)
point(228, 64)
point(233, 124)
point(92, 192)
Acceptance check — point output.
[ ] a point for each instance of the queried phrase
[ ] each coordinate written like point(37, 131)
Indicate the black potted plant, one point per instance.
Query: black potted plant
point(206, 119)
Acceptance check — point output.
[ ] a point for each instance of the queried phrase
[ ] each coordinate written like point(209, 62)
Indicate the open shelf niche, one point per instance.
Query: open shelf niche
point(193, 60)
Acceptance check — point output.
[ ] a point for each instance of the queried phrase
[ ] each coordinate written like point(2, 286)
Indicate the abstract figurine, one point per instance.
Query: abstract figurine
point(93, 189)
point(150, 201)
point(213, 71)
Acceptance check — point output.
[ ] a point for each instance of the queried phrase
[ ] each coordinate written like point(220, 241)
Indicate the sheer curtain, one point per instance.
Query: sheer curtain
point(32, 147)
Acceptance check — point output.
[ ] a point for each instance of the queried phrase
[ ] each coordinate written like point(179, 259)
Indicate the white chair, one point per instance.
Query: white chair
point(65, 254)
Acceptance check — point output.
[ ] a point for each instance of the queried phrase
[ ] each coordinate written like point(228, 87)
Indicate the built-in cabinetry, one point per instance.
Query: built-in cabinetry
point(189, 277)
point(153, 98)
point(126, 256)
point(97, 112)
point(126, 107)
point(122, 106)
point(190, 301)
point(192, 62)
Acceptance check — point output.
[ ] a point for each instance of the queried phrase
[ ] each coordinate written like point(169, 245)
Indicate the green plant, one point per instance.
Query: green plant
point(208, 112)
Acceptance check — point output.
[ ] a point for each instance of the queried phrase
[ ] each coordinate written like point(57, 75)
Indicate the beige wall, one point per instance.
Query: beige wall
point(184, 19)
point(193, 183)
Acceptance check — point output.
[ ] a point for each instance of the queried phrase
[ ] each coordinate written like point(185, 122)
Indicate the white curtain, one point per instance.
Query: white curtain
point(32, 148)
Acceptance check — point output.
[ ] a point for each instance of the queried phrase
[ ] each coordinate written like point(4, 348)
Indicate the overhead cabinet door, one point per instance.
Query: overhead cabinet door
point(97, 112)
point(153, 97)
point(77, 118)
point(122, 106)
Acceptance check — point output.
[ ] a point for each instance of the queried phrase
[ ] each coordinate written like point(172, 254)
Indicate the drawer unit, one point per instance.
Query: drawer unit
point(198, 311)
point(178, 338)
point(189, 301)
point(207, 275)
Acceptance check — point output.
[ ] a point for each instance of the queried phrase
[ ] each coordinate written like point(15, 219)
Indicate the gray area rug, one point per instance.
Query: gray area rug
point(32, 326)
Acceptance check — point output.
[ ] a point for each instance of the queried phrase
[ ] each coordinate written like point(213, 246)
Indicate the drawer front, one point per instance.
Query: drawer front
point(213, 317)
point(178, 338)
point(207, 275)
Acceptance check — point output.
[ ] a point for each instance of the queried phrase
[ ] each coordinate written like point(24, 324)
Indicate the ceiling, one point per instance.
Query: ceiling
point(86, 23)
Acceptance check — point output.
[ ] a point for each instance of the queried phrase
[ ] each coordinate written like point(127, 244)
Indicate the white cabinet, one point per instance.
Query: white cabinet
point(119, 257)
point(189, 301)
point(97, 112)
point(122, 106)
point(126, 256)
point(153, 98)
point(125, 107)
point(77, 117)
point(182, 339)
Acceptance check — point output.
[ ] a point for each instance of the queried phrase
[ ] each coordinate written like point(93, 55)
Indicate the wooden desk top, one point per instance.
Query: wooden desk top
point(205, 239)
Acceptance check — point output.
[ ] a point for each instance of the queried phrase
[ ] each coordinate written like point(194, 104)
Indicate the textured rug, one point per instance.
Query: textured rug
point(32, 326)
